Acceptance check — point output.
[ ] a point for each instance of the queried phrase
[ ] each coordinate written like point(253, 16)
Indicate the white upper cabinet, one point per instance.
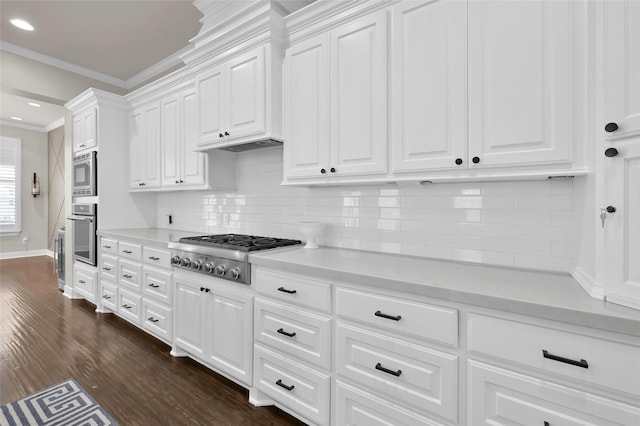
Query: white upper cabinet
point(85, 129)
point(336, 102)
point(519, 73)
point(232, 101)
point(622, 68)
point(429, 96)
point(306, 106)
point(144, 147)
point(181, 165)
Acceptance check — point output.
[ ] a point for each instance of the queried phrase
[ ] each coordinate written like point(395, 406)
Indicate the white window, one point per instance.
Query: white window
point(10, 185)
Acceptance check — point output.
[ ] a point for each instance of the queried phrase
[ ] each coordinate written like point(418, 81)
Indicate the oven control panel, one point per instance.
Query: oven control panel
point(218, 267)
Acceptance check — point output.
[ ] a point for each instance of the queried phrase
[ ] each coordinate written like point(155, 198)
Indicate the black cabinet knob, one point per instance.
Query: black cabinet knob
point(323, 171)
point(611, 127)
point(226, 133)
point(332, 170)
point(475, 160)
point(610, 152)
point(611, 209)
point(458, 161)
point(220, 135)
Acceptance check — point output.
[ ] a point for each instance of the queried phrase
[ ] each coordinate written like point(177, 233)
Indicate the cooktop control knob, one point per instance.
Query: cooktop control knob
point(175, 260)
point(235, 273)
point(185, 262)
point(197, 264)
point(221, 270)
point(208, 267)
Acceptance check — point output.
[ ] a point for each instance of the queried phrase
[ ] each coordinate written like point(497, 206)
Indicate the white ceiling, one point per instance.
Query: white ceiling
point(113, 45)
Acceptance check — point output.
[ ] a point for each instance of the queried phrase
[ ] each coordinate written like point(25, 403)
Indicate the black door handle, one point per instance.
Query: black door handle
point(394, 318)
point(282, 385)
point(386, 370)
point(582, 363)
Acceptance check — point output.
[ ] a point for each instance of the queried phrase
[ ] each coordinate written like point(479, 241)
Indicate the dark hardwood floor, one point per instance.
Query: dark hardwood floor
point(46, 338)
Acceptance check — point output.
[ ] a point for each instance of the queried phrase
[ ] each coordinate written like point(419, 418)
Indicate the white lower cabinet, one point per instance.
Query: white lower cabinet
point(304, 390)
point(85, 281)
point(157, 319)
point(108, 295)
point(413, 375)
point(501, 397)
point(214, 324)
point(129, 306)
point(353, 406)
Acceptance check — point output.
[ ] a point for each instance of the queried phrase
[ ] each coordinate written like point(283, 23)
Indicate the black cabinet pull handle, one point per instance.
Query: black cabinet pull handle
point(546, 423)
point(458, 161)
point(386, 370)
point(152, 319)
point(106, 297)
point(381, 315)
point(323, 171)
point(153, 258)
point(332, 170)
point(611, 127)
point(207, 290)
point(284, 290)
point(281, 331)
point(475, 160)
point(201, 288)
point(226, 133)
point(152, 285)
point(582, 363)
point(106, 268)
point(282, 385)
point(220, 135)
point(610, 152)
point(107, 247)
point(82, 281)
point(126, 306)
point(126, 276)
point(127, 251)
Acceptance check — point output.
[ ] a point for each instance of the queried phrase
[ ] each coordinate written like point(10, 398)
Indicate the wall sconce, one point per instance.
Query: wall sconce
point(35, 186)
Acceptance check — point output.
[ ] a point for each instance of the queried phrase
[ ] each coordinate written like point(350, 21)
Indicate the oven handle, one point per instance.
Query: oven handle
point(84, 218)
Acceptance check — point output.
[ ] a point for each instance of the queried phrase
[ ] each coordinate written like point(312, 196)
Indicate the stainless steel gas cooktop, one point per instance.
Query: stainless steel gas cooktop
point(223, 256)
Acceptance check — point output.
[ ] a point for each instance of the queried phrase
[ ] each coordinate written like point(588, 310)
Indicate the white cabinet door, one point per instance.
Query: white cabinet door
point(245, 82)
point(144, 167)
point(622, 228)
point(211, 104)
point(193, 163)
point(520, 94)
point(190, 317)
point(85, 130)
point(622, 67)
point(429, 93)
point(171, 141)
point(230, 333)
point(306, 150)
point(358, 54)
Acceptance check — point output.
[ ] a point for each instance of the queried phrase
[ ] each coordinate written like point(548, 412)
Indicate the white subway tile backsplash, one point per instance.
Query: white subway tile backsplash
point(530, 224)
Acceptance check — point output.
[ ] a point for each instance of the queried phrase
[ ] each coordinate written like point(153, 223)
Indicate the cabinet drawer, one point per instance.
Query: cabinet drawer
point(604, 363)
point(157, 319)
point(109, 267)
point(108, 294)
point(156, 283)
point(294, 332)
point(130, 275)
point(411, 374)
point(382, 312)
point(85, 282)
point(502, 397)
point(300, 388)
point(355, 407)
point(108, 245)
point(129, 305)
point(294, 289)
point(156, 257)
point(130, 251)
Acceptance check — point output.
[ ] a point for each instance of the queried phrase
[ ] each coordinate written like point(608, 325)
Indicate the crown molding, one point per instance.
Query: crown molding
point(24, 126)
point(158, 68)
point(54, 125)
point(94, 96)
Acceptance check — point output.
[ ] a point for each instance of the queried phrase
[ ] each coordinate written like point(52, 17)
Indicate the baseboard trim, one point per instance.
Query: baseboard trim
point(588, 283)
point(28, 253)
point(70, 294)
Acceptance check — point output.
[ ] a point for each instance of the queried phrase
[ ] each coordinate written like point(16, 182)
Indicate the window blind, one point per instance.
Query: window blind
point(10, 188)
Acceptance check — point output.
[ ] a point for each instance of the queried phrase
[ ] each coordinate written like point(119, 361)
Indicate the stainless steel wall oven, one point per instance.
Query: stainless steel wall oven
point(84, 232)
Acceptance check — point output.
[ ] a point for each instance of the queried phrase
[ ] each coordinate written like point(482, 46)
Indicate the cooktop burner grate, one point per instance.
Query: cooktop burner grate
point(239, 242)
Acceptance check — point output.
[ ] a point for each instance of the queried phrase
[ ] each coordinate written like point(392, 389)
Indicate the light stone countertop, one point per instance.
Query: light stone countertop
point(552, 296)
point(155, 237)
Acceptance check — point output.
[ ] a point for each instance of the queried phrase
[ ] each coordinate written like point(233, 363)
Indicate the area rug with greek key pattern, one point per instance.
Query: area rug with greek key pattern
point(64, 404)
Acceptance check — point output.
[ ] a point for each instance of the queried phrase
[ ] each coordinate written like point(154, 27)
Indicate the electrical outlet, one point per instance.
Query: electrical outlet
point(25, 240)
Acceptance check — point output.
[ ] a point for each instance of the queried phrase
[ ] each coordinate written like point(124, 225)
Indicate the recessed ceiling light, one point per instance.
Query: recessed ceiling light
point(33, 104)
point(22, 24)
point(16, 118)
